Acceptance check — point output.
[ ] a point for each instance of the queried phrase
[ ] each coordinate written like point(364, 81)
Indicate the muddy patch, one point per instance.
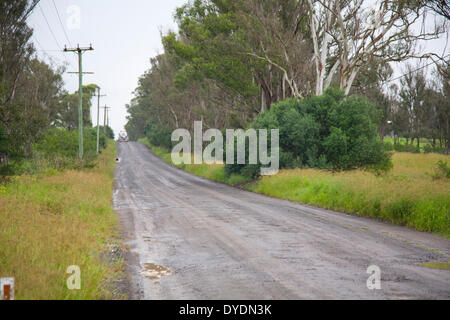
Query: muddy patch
point(155, 272)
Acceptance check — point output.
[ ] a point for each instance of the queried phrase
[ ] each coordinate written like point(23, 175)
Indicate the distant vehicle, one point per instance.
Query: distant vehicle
point(123, 136)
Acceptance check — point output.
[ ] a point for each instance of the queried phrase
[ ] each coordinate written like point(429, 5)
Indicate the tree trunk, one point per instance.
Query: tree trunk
point(382, 130)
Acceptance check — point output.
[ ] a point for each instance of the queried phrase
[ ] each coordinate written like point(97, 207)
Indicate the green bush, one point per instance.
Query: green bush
point(61, 142)
point(328, 131)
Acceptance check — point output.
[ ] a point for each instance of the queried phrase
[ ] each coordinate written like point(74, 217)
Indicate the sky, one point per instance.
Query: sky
point(125, 34)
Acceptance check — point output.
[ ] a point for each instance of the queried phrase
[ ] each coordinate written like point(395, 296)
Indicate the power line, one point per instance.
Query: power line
point(62, 25)
point(413, 71)
point(48, 25)
point(403, 75)
point(48, 53)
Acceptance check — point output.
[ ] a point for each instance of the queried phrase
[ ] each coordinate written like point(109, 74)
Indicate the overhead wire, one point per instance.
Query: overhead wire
point(60, 22)
point(50, 28)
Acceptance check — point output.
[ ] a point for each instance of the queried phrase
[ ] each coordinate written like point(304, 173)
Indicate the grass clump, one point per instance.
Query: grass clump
point(442, 171)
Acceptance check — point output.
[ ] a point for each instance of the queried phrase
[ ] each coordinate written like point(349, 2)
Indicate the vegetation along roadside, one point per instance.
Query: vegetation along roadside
point(59, 218)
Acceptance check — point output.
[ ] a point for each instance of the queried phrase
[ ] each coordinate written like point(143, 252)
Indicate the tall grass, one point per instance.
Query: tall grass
point(56, 219)
point(407, 195)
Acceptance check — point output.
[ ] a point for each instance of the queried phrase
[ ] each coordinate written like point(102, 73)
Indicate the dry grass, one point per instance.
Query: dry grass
point(49, 222)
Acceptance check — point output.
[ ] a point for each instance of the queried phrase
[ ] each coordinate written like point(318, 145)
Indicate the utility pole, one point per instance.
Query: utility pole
point(80, 51)
point(104, 119)
point(107, 116)
point(98, 119)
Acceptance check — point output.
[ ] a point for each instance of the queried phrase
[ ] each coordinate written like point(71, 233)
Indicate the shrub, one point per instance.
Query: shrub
point(442, 171)
point(328, 131)
point(61, 142)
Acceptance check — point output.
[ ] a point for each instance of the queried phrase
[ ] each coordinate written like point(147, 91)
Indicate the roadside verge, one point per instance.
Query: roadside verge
point(49, 222)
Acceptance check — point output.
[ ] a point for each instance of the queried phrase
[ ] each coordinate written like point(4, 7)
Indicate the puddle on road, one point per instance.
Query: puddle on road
point(155, 272)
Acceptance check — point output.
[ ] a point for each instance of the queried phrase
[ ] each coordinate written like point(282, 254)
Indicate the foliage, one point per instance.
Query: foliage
point(64, 142)
point(328, 131)
point(57, 149)
point(109, 132)
point(67, 108)
point(159, 135)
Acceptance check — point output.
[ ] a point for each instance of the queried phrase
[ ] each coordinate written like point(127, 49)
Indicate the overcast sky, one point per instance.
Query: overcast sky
point(125, 35)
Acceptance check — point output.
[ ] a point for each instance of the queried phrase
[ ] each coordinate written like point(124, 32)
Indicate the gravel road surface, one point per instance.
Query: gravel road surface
point(190, 238)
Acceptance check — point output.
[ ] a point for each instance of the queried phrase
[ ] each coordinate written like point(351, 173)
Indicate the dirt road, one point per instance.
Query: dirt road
point(191, 238)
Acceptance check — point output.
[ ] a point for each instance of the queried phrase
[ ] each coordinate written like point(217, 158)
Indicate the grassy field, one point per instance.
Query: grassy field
point(407, 195)
point(51, 221)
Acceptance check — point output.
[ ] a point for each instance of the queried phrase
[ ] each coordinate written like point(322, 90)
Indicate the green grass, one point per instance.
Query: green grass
point(436, 265)
point(53, 220)
point(407, 195)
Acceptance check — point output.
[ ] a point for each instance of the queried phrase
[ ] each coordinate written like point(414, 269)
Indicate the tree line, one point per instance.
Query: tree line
point(32, 95)
point(232, 60)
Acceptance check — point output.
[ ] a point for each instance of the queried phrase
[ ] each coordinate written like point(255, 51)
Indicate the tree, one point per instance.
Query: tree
point(441, 7)
point(67, 114)
point(35, 104)
point(370, 84)
point(350, 33)
point(414, 97)
point(15, 53)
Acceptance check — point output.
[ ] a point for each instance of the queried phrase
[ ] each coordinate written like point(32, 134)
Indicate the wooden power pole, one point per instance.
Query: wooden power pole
point(98, 119)
point(105, 119)
point(80, 51)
